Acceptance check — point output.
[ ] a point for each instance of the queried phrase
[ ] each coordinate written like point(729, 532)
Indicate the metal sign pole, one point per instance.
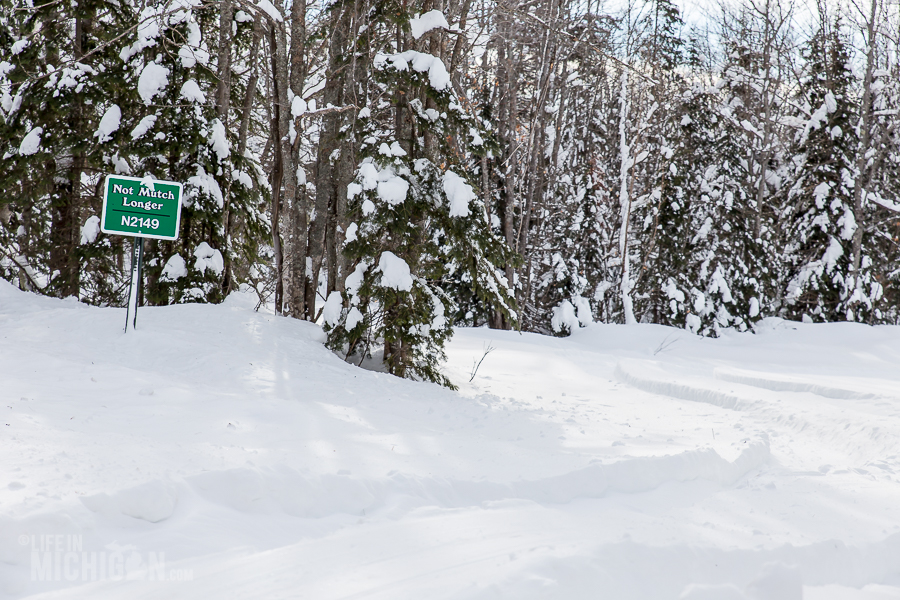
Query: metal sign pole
point(134, 288)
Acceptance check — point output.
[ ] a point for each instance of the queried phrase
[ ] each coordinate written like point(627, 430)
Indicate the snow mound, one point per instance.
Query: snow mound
point(153, 501)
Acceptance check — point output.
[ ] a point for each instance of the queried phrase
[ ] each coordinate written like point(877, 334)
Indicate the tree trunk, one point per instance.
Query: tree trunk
point(282, 174)
point(328, 158)
point(64, 226)
point(300, 199)
point(625, 202)
point(223, 88)
point(865, 138)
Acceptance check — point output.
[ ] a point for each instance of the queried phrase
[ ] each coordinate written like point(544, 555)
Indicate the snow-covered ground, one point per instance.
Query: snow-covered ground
point(228, 453)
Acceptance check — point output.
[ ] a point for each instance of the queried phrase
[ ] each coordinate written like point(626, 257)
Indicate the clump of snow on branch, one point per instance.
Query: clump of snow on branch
point(90, 230)
point(204, 183)
point(32, 142)
point(208, 258)
point(420, 62)
point(459, 194)
point(219, 141)
point(191, 92)
point(143, 127)
point(269, 9)
point(393, 189)
point(393, 150)
point(433, 19)
point(394, 272)
point(175, 268)
point(353, 318)
point(109, 123)
point(351, 233)
point(355, 279)
point(153, 79)
point(564, 318)
point(331, 311)
point(194, 51)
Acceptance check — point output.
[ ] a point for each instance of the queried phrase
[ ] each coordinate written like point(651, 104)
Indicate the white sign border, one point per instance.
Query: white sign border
point(142, 235)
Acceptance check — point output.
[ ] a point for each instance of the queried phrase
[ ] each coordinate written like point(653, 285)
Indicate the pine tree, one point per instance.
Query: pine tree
point(687, 209)
point(821, 199)
point(417, 219)
point(122, 92)
point(176, 134)
point(59, 64)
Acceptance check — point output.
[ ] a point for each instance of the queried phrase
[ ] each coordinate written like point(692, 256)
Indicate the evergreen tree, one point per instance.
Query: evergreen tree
point(417, 219)
point(58, 65)
point(820, 206)
point(176, 134)
point(96, 88)
point(685, 240)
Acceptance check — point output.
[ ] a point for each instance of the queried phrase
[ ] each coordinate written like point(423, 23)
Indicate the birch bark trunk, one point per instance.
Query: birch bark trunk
point(862, 157)
point(625, 286)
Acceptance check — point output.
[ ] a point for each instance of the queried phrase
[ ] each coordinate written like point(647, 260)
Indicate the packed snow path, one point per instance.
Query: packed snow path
point(229, 453)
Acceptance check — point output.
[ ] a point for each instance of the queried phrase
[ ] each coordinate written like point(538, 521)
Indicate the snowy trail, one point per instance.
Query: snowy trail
point(615, 460)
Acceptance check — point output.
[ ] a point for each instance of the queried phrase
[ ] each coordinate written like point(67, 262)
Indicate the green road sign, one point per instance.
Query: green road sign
point(141, 208)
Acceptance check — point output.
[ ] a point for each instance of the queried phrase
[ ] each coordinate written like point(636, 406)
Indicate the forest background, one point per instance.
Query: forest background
point(394, 168)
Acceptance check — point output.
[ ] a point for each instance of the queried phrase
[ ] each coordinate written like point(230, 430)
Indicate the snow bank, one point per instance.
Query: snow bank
point(233, 442)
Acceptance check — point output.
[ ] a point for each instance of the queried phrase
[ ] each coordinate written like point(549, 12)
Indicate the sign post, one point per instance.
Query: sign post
point(140, 208)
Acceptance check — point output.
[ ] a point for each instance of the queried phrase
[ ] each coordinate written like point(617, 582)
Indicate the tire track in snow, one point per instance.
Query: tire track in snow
point(858, 433)
point(787, 383)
